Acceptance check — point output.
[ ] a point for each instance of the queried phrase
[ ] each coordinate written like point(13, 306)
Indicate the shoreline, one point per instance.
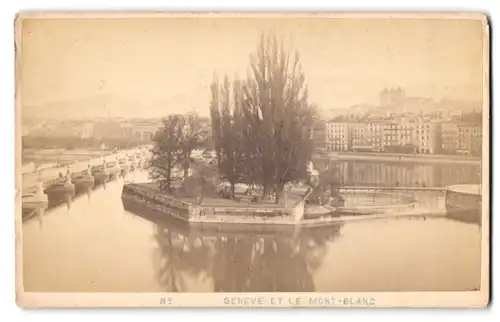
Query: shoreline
point(189, 213)
point(393, 157)
point(327, 221)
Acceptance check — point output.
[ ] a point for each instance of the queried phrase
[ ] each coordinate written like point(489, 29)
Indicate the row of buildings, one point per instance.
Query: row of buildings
point(140, 130)
point(404, 134)
point(406, 124)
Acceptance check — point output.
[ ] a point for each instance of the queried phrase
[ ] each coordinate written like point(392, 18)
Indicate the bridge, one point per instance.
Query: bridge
point(51, 175)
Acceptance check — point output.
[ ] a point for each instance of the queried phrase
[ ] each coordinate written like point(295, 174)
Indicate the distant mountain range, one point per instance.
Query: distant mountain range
point(97, 106)
point(106, 106)
point(112, 106)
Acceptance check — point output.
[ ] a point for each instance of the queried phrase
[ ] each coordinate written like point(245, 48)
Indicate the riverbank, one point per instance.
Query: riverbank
point(396, 157)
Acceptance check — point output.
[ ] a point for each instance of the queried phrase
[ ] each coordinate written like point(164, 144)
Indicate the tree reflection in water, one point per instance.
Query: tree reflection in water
point(178, 255)
point(168, 260)
point(239, 261)
point(278, 268)
point(232, 264)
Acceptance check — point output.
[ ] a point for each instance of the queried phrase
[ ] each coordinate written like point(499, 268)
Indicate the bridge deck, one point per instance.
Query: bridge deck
point(50, 176)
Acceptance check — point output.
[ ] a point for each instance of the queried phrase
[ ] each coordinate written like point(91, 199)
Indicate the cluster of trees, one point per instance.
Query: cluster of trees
point(263, 125)
point(173, 145)
point(262, 128)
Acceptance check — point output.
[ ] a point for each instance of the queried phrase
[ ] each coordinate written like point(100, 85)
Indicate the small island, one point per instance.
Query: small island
point(255, 164)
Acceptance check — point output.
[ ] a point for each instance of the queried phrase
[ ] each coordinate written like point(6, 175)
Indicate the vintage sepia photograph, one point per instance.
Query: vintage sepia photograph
point(252, 160)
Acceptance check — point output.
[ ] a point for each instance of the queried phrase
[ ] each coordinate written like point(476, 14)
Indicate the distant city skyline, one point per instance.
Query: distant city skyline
point(166, 65)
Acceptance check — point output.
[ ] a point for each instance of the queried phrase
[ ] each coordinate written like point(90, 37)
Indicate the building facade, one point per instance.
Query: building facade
point(461, 138)
point(359, 136)
point(68, 129)
point(141, 131)
point(376, 135)
point(391, 140)
point(87, 131)
point(405, 135)
point(470, 139)
point(337, 136)
point(449, 138)
point(427, 137)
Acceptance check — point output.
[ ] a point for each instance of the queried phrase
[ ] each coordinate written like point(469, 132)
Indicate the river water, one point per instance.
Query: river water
point(94, 244)
point(404, 174)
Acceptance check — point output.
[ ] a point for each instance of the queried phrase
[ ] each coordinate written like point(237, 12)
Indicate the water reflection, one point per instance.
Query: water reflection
point(369, 173)
point(235, 258)
point(34, 213)
point(240, 259)
point(109, 246)
point(86, 189)
point(99, 184)
point(57, 199)
point(66, 197)
point(168, 260)
point(264, 264)
point(473, 217)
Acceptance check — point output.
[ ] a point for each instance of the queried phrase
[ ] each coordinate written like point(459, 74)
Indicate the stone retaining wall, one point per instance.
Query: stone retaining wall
point(460, 201)
point(151, 199)
point(193, 213)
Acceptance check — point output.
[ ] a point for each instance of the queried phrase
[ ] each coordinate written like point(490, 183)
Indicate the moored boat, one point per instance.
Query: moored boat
point(61, 187)
point(35, 201)
point(113, 169)
point(124, 166)
point(85, 180)
point(100, 173)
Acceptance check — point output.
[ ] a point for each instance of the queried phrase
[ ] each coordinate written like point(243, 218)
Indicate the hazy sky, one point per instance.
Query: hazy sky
point(172, 60)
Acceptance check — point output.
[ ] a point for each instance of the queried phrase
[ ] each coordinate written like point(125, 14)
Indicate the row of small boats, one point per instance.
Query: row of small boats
point(69, 182)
